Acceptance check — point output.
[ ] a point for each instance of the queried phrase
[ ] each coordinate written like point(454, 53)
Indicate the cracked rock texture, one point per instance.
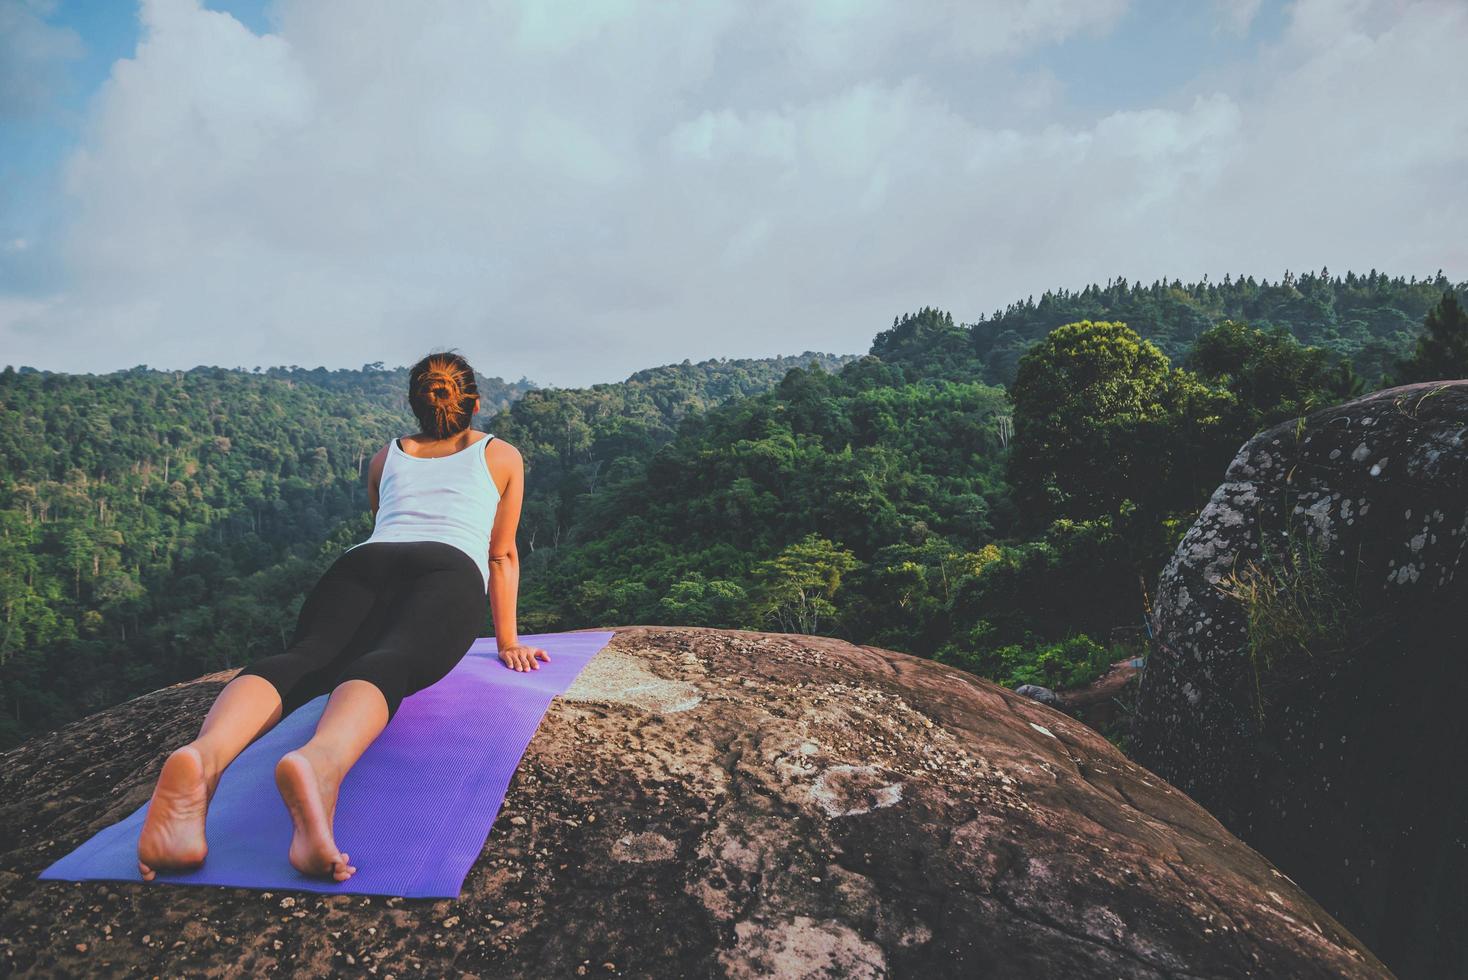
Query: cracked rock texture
point(713, 803)
point(1351, 779)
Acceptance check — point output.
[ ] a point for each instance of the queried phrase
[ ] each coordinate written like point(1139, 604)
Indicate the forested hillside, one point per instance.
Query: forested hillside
point(903, 502)
point(158, 524)
point(575, 440)
point(886, 511)
point(1369, 319)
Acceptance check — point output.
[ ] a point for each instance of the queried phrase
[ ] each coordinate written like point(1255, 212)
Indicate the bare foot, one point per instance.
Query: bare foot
point(311, 799)
point(172, 838)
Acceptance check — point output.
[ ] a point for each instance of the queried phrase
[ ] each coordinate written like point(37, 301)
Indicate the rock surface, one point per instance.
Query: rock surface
point(1350, 778)
point(706, 803)
point(1035, 692)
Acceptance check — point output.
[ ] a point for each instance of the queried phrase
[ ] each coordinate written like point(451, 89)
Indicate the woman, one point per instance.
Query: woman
point(392, 615)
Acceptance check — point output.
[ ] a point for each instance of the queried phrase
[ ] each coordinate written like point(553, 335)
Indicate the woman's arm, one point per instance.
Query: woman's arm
point(374, 478)
point(504, 560)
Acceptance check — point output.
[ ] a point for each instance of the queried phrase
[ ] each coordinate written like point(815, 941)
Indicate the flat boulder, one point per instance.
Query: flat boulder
point(707, 802)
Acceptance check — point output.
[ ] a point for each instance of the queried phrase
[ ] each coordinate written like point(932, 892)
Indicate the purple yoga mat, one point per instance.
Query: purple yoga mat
point(414, 812)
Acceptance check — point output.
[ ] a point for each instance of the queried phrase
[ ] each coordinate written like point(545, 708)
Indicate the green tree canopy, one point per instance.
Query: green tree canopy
point(929, 345)
point(1442, 350)
point(1271, 374)
point(794, 591)
point(1092, 402)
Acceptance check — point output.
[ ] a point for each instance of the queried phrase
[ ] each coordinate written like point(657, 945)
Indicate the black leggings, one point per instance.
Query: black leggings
point(399, 614)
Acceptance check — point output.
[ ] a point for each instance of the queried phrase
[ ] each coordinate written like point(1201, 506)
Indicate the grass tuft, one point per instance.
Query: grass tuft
point(1300, 611)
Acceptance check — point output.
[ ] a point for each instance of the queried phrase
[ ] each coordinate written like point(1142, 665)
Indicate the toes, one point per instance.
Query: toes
point(145, 871)
point(341, 868)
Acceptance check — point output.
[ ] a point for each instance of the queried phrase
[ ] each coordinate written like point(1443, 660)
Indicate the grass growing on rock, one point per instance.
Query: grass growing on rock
point(1301, 611)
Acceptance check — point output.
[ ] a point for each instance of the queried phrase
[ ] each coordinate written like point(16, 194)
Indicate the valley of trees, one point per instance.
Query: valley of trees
point(996, 495)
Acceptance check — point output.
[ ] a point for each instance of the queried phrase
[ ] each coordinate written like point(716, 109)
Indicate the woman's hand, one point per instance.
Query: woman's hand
point(521, 657)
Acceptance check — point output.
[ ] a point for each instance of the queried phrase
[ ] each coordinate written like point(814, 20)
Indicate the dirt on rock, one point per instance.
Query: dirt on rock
point(711, 803)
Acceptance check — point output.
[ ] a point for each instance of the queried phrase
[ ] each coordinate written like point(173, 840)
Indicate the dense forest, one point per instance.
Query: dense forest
point(996, 494)
point(1367, 320)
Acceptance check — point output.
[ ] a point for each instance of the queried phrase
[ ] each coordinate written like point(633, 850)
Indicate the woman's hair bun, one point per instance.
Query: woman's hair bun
point(441, 392)
point(442, 386)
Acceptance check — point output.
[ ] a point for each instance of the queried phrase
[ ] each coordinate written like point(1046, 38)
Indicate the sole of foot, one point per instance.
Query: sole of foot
point(172, 838)
point(313, 851)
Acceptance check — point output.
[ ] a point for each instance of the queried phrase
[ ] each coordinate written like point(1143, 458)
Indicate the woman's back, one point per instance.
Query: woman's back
point(442, 498)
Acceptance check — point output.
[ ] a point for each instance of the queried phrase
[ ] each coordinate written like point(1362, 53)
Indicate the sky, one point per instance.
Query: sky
point(573, 191)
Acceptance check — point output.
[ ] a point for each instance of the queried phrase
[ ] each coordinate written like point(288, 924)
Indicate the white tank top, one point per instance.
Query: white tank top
point(445, 498)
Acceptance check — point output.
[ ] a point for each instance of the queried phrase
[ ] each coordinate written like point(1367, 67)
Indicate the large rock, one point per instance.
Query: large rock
point(1350, 777)
point(708, 803)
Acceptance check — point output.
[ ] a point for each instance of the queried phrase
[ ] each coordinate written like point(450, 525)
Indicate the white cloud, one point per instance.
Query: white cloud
point(1236, 16)
point(573, 192)
point(842, 35)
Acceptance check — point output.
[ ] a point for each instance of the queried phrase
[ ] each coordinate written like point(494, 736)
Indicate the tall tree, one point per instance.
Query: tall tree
point(1442, 350)
point(1087, 401)
point(795, 590)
